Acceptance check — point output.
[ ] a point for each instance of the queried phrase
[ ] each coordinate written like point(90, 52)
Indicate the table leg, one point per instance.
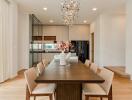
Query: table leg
point(27, 93)
point(68, 91)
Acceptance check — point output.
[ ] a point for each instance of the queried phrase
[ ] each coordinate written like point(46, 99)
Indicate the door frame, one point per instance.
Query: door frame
point(92, 47)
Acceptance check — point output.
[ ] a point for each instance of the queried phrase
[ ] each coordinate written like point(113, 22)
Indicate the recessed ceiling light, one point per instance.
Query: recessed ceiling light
point(45, 8)
point(85, 21)
point(51, 21)
point(94, 9)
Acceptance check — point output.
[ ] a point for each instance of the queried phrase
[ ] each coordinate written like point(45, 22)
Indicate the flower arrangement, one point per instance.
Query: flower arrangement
point(63, 46)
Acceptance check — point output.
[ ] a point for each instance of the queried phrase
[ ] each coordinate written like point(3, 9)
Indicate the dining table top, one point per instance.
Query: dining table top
point(71, 73)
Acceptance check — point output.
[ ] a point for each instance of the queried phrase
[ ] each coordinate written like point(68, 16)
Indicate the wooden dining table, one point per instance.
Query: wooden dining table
point(68, 79)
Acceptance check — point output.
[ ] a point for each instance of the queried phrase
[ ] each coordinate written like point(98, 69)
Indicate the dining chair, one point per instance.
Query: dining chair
point(34, 89)
point(94, 67)
point(45, 62)
point(88, 63)
point(40, 67)
point(100, 90)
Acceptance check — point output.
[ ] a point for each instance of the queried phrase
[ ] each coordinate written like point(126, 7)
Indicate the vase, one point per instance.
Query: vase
point(62, 58)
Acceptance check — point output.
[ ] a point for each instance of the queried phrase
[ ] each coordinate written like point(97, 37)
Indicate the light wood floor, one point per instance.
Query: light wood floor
point(15, 89)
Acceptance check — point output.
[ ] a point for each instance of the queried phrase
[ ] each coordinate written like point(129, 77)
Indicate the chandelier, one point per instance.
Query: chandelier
point(69, 9)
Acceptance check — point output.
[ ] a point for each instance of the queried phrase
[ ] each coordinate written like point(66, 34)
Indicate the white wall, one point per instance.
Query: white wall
point(95, 28)
point(97, 38)
point(8, 37)
point(1, 58)
point(13, 9)
point(113, 52)
point(129, 38)
point(110, 40)
point(92, 27)
point(61, 32)
point(79, 32)
point(23, 40)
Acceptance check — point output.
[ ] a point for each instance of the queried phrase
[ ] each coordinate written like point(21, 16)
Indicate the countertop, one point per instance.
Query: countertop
point(43, 51)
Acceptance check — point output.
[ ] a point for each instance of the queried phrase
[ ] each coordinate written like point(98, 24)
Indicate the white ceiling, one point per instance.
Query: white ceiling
point(85, 13)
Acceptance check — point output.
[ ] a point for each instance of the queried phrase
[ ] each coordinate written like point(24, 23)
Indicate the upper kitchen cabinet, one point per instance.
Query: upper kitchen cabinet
point(37, 29)
point(61, 32)
point(79, 32)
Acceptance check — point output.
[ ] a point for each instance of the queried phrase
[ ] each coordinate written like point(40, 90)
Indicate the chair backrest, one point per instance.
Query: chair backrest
point(30, 76)
point(40, 67)
point(107, 75)
point(88, 63)
point(94, 67)
point(98, 70)
point(45, 62)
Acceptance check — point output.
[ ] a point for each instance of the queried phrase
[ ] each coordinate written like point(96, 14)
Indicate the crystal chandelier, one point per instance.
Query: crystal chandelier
point(70, 9)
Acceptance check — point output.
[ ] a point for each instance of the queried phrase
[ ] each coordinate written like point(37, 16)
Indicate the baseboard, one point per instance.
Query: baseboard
point(11, 77)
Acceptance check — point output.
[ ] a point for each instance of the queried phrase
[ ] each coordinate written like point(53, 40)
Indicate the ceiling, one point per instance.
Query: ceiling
point(54, 13)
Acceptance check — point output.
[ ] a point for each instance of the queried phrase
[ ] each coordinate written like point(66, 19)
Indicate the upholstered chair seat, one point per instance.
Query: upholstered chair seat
point(44, 88)
point(93, 89)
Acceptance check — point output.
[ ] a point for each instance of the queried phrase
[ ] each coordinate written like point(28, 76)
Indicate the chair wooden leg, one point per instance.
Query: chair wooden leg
point(54, 94)
point(110, 94)
point(109, 98)
point(27, 94)
point(51, 97)
point(101, 98)
point(86, 97)
point(34, 97)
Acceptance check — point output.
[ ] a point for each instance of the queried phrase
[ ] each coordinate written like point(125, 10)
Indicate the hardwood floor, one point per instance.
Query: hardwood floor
point(15, 89)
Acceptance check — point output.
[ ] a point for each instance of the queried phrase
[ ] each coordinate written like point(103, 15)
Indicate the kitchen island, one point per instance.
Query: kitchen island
point(48, 55)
